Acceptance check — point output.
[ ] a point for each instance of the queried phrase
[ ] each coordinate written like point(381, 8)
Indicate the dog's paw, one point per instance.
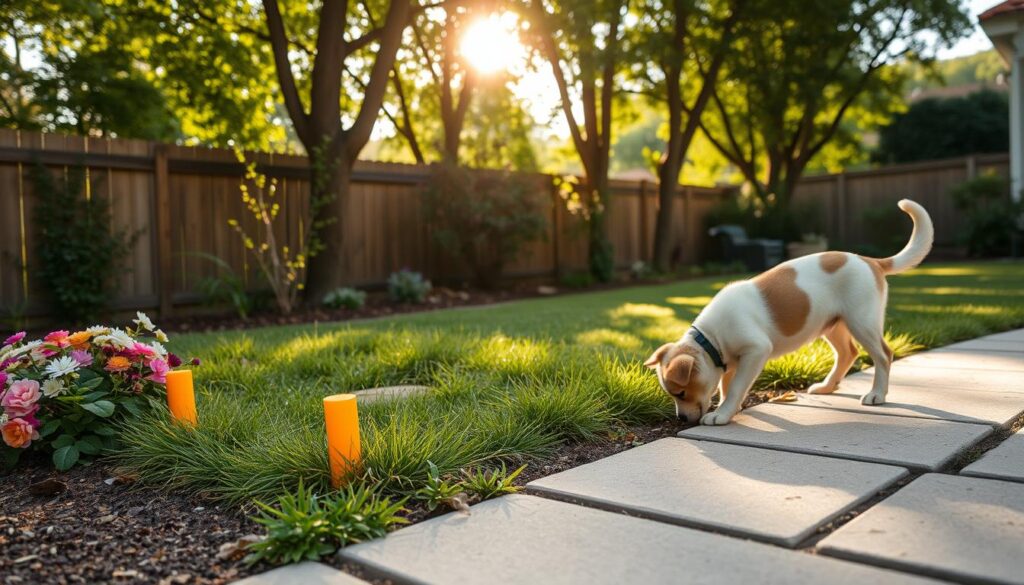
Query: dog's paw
point(873, 399)
point(715, 418)
point(821, 388)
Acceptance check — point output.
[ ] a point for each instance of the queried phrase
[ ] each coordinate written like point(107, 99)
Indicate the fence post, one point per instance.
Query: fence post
point(972, 167)
point(556, 230)
point(165, 282)
point(645, 250)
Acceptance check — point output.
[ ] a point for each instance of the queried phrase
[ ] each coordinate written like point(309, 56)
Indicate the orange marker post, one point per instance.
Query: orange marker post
point(342, 420)
point(181, 397)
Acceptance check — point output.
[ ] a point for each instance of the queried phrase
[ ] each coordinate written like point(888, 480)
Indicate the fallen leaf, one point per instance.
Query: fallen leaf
point(459, 501)
point(129, 574)
point(233, 551)
point(788, 396)
point(47, 487)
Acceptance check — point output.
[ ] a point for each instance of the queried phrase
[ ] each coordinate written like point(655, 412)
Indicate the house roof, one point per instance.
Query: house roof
point(1002, 8)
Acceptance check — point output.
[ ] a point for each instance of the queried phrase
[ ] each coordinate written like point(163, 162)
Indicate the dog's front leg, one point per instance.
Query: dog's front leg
point(748, 366)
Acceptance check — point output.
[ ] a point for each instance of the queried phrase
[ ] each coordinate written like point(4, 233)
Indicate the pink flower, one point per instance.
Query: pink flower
point(19, 433)
point(15, 338)
point(58, 338)
point(83, 357)
point(159, 374)
point(142, 350)
point(21, 398)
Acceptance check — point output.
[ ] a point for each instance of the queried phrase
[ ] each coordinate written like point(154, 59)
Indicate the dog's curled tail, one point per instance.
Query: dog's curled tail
point(920, 240)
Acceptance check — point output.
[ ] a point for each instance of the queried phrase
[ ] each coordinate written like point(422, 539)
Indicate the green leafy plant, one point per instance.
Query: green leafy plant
point(437, 492)
point(486, 484)
point(227, 287)
point(578, 280)
point(484, 218)
point(345, 298)
point(406, 286)
point(305, 526)
point(990, 216)
point(80, 255)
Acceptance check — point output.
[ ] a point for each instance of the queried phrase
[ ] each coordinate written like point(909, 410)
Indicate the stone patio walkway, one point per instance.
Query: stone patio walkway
point(823, 490)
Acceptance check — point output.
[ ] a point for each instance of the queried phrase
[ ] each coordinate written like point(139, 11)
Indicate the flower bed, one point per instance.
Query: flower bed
point(64, 394)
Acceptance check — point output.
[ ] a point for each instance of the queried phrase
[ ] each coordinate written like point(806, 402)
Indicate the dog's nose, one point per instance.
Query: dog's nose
point(682, 418)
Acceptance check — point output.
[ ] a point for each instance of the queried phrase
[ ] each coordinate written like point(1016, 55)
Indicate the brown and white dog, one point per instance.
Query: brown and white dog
point(835, 295)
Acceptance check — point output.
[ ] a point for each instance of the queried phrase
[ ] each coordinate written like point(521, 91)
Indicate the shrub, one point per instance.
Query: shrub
point(578, 280)
point(406, 286)
point(345, 298)
point(885, 228)
point(641, 270)
point(487, 484)
point(226, 287)
point(484, 217)
point(990, 217)
point(438, 492)
point(65, 394)
point(80, 255)
point(760, 220)
point(305, 526)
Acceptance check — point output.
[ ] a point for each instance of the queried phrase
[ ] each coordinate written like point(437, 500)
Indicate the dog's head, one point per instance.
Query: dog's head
point(688, 375)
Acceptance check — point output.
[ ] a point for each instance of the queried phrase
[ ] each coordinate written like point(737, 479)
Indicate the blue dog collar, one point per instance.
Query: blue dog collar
point(709, 347)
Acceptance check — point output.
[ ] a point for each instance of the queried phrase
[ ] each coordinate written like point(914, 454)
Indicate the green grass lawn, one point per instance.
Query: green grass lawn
point(509, 382)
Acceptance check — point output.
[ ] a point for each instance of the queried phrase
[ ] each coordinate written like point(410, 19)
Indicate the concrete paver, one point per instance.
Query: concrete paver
point(946, 526)
point(1006, 461)
point(969, 359)
point(911, 442)
point(528, 540)
point(305, 573)
point(942, 377)
point(775, 496)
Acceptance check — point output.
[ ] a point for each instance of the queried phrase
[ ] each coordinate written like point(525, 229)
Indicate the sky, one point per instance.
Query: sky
point(977, 41)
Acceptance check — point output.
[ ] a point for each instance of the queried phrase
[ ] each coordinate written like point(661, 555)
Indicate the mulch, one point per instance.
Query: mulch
point(92, 525)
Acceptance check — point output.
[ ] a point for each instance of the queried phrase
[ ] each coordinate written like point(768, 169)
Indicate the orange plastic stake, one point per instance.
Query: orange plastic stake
point(342, 420)
point(181, 397)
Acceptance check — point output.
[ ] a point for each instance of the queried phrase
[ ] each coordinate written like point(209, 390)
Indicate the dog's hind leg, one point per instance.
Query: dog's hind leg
point(868, 332)
point(845, 352)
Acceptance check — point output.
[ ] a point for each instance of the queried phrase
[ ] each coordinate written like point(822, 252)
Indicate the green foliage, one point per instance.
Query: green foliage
point(885, 227)
point(485, 218)
point(304, 526)
point(345, 298)
point(407, 286)
point(578, 280)
point(80, 255)
point(491, 483)
point(948, 127)
point(991, 217)
point(437, 491)
point(226, 287)
point(766, 219)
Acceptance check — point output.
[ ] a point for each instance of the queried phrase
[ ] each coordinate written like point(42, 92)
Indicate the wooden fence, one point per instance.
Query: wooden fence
point(843, 199)
point(179, 200)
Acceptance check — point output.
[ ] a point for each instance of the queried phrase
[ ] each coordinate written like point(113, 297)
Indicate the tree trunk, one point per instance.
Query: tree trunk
point(600, 253)
point(668, 177)
point(331, 183)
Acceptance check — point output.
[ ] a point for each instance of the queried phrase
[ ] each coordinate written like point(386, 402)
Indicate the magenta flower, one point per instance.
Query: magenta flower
point(15, 338)
point(160, 369)
point(173, 360)
point(21, 398)
point(3, 381)
point(81, 356)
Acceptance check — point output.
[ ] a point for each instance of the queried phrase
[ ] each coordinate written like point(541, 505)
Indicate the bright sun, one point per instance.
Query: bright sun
point(491, 44)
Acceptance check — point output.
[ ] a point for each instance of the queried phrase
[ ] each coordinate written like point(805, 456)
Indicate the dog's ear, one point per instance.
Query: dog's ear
point(655, 359)
point(679, 369)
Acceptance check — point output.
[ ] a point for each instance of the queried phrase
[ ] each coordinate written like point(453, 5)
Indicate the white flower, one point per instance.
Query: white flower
point(26, 348)
point(143, 321)
point(98, 330)
point(61, 366)
point(3, 419)
point(116, 337)
point(158, 348)
point(53, 388)
point(160, 336)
